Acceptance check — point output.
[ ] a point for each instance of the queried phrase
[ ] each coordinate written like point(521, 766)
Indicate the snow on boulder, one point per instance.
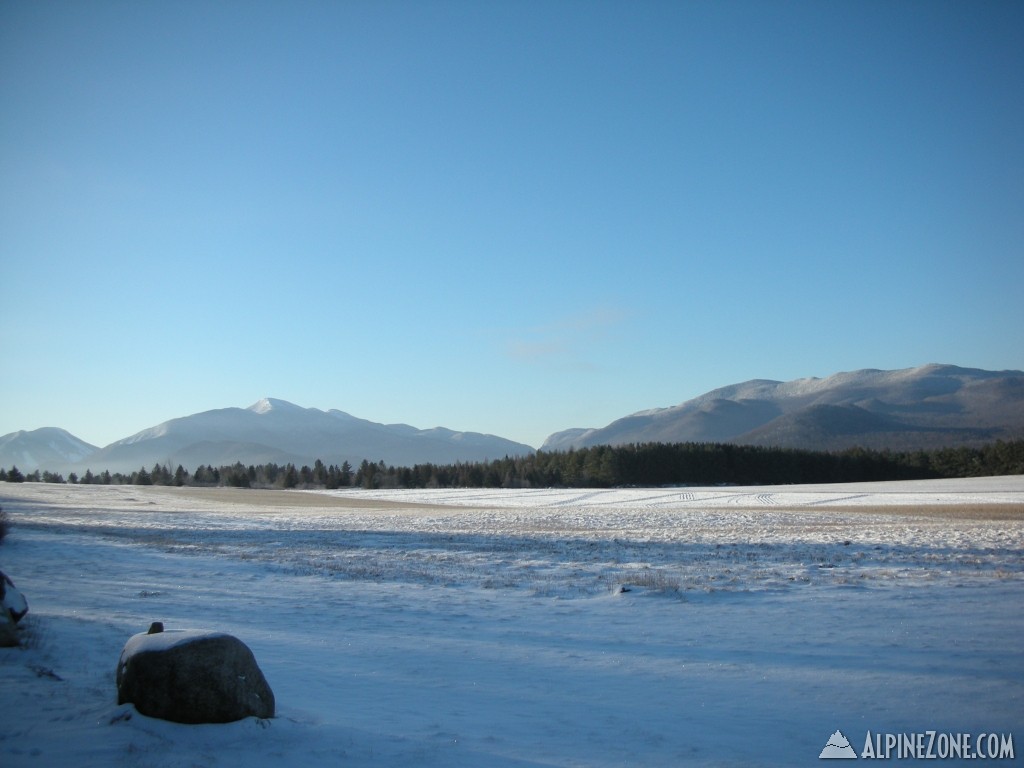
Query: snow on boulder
point(192, 676)
point(14, 603)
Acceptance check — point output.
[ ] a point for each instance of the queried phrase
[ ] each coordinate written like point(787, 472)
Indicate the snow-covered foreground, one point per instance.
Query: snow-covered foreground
point(491, 628)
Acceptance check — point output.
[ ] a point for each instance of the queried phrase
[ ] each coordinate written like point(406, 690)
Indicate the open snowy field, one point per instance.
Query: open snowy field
point(514, 628)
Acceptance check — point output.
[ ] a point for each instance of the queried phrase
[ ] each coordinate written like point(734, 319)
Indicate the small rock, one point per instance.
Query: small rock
point(46, 672)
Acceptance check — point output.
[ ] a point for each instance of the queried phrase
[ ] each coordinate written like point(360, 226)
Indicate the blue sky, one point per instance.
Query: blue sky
point(505, 217)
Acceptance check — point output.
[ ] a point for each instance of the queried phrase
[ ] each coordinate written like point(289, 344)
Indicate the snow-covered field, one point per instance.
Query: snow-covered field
point(505, 628)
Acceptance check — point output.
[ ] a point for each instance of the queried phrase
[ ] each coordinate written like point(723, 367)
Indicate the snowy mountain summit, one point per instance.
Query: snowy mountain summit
point(268, 404)
point(45, 448)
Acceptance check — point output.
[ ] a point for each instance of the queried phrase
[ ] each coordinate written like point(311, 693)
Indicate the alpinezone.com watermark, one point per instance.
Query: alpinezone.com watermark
point(926, 745)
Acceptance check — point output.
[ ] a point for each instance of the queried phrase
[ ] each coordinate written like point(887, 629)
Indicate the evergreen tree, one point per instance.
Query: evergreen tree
point(161, 475)
point(365, 473)
point(237, 476)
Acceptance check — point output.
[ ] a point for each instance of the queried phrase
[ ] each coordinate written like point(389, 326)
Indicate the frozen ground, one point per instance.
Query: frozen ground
point(491, 628)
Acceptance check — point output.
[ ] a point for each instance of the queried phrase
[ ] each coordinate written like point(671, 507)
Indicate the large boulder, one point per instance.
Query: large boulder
point(13, 606)
point(8, 631)
point(14, 603)
point(192, 676)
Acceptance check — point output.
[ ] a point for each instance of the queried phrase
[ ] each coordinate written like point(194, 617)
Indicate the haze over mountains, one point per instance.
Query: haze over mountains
point(926, 407)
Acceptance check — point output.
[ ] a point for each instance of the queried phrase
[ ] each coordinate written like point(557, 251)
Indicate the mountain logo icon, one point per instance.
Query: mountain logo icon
point(838, 748)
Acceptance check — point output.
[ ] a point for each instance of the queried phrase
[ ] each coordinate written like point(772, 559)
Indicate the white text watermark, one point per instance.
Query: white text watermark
point(925, 745)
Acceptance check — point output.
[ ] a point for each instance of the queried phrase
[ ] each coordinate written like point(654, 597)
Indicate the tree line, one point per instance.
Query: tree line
point(646, 464)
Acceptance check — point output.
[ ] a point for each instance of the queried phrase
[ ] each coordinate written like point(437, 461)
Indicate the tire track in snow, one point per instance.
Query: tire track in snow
point(838, 500)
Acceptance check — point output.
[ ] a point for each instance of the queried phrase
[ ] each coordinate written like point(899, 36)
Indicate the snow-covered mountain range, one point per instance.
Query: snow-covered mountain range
point(267, 431)
point(925, 407)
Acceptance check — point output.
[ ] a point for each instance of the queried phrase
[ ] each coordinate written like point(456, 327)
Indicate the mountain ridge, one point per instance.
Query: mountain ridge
point(930, 406)
point(268, 431)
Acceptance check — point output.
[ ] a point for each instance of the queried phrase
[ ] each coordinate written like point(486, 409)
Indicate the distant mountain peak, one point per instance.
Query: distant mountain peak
point(268, 404)
point(44, 448)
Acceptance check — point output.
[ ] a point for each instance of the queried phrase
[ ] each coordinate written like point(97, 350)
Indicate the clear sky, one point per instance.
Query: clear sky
point(506, 217)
